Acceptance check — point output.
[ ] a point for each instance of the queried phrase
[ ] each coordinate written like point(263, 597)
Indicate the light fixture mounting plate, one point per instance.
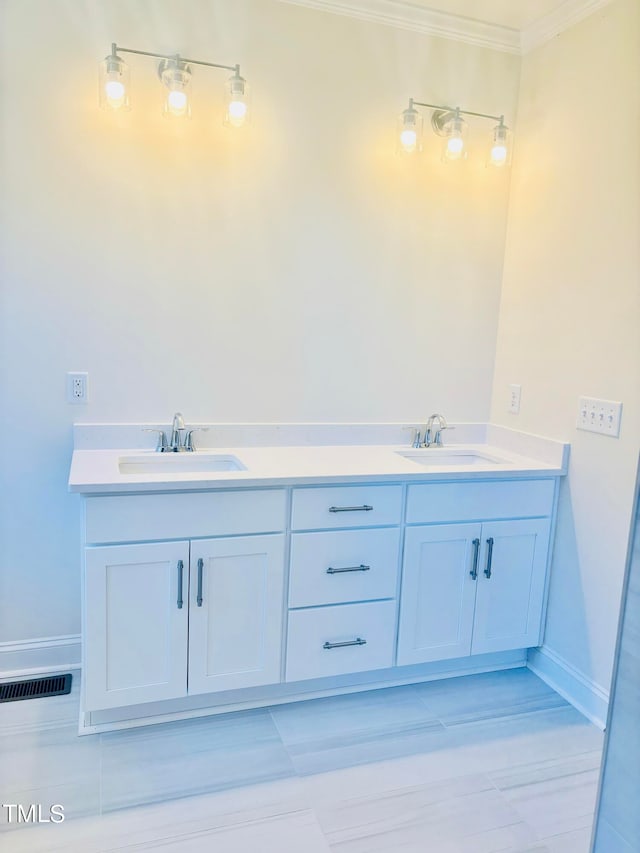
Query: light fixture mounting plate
point(173, 63)
point(439, 120)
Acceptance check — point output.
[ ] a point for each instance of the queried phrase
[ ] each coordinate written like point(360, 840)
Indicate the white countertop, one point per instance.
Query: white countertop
point(97, 470)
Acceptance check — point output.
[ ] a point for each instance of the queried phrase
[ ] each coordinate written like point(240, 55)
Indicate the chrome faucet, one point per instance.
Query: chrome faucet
point(435, 438)
point(177, 444)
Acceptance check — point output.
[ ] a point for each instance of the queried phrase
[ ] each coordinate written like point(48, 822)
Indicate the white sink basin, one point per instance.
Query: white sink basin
point(179, 463)
point(449, 456)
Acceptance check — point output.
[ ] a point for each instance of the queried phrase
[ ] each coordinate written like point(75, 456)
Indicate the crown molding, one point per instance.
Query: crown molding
point(408, 16)
point(569, 13)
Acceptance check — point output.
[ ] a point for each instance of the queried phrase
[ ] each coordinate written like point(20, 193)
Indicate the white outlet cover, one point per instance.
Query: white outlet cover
point(77, 387)
point(514, 399)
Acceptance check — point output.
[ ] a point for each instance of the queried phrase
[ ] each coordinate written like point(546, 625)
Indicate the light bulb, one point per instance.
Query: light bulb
point(409, 130)
point(114, 91)
point(177, 101)
point(408, 140)
point(454, 146)
point(500, 151)
point(499, 155)
point(114, 83)
point(237, 112)
point(237, 96)
point(176, 76)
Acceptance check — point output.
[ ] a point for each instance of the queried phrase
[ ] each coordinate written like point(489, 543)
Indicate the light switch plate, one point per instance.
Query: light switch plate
point(602, 416)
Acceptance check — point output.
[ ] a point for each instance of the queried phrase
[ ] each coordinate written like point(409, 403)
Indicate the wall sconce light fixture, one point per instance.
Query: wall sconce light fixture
point(175, 73)
point(448, 123)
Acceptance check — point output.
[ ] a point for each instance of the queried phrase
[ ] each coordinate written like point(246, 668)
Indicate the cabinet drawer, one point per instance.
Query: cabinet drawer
point(127, 518)
point(475, 501)
point(344, 565)
point(314, 647)
point(346, 506)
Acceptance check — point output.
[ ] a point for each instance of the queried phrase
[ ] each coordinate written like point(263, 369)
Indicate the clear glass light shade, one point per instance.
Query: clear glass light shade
point(410, 127)
point(177, 103)
point(500, 151)
point(454, 144)
point(237, 97)
point(114, 84)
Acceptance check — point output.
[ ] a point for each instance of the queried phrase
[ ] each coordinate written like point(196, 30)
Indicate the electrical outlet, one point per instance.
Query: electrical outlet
point(602, 416)
point(77, 387)
point(514, 399)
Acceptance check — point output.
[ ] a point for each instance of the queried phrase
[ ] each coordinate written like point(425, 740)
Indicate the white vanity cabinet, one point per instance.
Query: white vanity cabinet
point(168, 619)
point(212, 600)
point(472, 588)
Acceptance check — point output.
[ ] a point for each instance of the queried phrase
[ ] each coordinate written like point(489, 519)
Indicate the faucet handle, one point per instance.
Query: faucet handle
point(437, 440)
point(416, 441)
point(161, 446)
point(188, 441)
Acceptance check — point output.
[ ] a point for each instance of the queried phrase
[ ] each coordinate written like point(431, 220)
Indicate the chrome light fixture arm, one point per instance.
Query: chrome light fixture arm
point(444, 109)
point(174, 57)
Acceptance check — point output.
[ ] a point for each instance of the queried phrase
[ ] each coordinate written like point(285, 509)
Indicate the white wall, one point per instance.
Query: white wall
point(570, 309)
point(299, 272)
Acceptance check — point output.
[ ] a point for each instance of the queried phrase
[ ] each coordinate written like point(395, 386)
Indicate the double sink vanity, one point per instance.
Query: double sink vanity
point(277, 563)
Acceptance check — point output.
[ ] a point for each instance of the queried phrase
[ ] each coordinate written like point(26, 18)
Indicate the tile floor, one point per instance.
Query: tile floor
point(483, 763)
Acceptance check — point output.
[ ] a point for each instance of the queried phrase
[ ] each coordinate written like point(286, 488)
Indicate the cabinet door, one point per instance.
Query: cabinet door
point(135, 631)
point(236, 612)
point(438, 592)
point(510, 594)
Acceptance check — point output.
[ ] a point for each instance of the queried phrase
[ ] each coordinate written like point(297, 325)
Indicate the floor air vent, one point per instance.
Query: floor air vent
point(35, 688)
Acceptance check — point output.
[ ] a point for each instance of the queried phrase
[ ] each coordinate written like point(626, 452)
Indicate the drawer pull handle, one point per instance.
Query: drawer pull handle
point(476, 554)
point(363, 508)
point(360, 568)
point(487, 571)
point(200, 568)
point(180, 573)
point(357, 642)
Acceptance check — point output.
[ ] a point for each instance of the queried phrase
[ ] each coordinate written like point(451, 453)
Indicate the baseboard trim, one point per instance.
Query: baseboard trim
point(583, 693)
point(55, 654)
point(190, 707)
point(42, 655)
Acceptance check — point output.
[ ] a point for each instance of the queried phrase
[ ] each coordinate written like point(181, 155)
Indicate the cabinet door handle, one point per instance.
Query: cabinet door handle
point(180, 574)
point(487, 571)
point(360, 568)
point(357, 642)
point(200, 568)
point(363, 508)
point(476, 554)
